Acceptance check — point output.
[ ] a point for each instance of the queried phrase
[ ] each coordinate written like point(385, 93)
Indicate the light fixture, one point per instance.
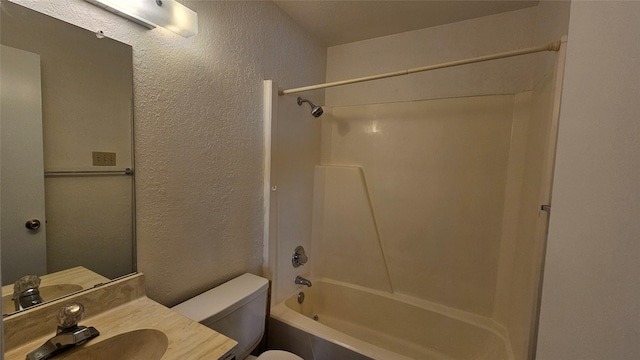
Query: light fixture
point(151, 13)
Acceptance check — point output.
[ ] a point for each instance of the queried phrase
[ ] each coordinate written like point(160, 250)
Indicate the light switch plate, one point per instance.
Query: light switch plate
point(104, 158)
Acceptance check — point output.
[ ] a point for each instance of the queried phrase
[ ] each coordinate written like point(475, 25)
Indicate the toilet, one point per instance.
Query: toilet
point(237, 309)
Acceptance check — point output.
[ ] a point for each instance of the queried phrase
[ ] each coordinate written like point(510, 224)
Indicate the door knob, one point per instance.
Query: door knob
point(33, 224)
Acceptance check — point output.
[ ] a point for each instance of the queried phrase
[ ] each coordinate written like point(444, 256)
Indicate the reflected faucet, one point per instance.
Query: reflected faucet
point(68, 334)
point(302, 281)
point(26, 292)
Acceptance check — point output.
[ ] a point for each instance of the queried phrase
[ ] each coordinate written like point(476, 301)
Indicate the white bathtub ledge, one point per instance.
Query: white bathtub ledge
point(282, 313)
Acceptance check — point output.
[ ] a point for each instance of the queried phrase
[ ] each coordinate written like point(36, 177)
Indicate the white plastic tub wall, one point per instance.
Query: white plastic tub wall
point(359, 323)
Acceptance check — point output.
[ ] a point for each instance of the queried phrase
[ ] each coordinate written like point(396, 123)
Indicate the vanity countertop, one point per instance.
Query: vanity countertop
point(58, 284)
point(114, 309)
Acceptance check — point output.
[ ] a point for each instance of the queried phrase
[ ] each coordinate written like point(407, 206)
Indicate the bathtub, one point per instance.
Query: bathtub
point(378, 325)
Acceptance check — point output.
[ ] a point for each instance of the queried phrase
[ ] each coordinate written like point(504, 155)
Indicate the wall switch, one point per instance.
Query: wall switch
point(104, 158)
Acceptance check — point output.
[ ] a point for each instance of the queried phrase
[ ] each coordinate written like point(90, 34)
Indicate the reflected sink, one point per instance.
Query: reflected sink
point(47, 293)
point(143, 344)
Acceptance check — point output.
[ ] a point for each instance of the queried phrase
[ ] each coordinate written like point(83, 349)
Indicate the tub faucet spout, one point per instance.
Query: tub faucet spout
point(302, 281)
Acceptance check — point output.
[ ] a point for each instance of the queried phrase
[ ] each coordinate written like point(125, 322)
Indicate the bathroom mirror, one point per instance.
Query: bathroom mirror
point(67, 154)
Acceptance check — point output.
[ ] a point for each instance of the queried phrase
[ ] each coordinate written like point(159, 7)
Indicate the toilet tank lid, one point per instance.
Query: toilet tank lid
point(223, 298)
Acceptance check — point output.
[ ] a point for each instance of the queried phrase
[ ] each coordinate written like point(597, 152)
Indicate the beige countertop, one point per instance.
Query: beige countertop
point(57, 284)
point(114, 309)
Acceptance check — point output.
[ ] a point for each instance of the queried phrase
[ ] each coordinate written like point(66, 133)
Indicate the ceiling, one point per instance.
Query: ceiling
point(340, 22)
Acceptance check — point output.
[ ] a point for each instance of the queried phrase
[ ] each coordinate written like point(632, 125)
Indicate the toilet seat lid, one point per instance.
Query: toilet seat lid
point(278, 355)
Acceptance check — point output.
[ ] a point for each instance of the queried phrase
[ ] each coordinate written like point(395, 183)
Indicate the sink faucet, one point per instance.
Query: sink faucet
point(68, 334)
point(26, 292)
point(302, 281)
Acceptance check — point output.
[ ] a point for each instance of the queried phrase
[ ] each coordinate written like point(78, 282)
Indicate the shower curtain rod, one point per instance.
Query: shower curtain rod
point(553, 46)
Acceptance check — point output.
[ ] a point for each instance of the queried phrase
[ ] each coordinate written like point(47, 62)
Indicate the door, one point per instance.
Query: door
point(23, 250)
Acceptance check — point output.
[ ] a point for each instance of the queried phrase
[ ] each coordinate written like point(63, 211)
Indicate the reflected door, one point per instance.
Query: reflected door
point(23, 249)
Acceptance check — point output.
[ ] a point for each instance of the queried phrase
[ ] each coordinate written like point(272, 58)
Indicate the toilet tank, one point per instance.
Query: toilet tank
point(236, 309)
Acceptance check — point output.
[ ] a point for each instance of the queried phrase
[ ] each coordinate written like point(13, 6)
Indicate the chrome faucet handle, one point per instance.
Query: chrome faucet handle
point(299, 257)
point(69, 316)
point(68, 335)
point(26, 292)
point(25, 283)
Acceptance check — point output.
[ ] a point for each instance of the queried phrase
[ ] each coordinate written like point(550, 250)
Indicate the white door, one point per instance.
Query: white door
point(23, 250)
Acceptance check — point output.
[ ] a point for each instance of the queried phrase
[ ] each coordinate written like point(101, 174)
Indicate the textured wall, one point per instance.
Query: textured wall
point(198, 125)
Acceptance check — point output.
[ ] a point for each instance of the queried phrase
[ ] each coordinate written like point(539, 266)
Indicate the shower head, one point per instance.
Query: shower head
point(316, 111)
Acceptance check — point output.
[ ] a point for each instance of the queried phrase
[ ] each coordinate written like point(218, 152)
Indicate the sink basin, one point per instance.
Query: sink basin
point(48, 292)
point(142, 344)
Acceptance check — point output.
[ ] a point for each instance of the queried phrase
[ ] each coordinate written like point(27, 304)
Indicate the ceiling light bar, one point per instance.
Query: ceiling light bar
point(169, 14)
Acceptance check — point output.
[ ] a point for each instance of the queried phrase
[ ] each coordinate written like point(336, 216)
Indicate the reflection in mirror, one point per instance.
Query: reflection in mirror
point(67, 155)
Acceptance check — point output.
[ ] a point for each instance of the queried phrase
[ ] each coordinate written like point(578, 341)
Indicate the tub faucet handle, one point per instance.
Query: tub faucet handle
point(299, 257)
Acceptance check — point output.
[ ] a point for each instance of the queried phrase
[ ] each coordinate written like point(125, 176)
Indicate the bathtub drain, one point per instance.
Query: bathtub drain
point(316, 318)
point(300, 297)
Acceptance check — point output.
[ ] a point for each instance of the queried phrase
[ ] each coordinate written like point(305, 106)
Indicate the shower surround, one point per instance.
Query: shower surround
point(427, 188)
point(410, 198)
point(409, 204)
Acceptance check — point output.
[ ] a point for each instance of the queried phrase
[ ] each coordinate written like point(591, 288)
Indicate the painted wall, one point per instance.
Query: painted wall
point(198, 128)
point(590, 307)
